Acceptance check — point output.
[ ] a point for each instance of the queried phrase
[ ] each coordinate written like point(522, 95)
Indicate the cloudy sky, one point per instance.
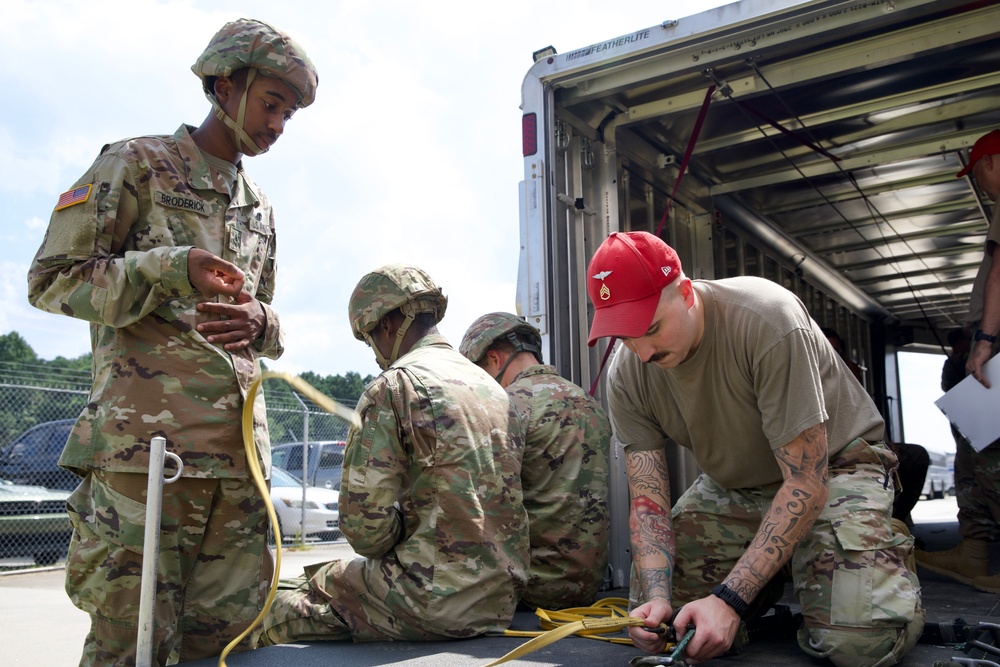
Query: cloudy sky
point(411, 152)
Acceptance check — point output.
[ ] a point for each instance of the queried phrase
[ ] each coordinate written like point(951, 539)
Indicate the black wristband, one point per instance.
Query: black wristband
point(980, 335)
point(729, 596)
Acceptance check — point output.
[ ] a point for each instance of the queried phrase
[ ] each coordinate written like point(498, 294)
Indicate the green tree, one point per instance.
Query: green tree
point(347, 388)
point(14, 349)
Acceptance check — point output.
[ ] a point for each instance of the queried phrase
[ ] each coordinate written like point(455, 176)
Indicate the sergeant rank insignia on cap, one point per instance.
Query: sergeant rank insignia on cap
point(605, 292)
point(74, 197)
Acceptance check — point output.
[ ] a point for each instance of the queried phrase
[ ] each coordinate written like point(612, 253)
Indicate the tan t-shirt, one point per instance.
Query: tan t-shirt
point(763, 374)
point(979, 286)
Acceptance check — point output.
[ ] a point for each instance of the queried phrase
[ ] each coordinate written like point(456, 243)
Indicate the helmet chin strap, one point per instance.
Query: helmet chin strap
point(249, 146)
point(519, 347)
point(503, 369)
point(383, 361)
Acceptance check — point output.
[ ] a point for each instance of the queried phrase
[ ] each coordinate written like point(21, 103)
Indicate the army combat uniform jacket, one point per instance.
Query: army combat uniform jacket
point(564, 475)
point(115, 254)
point(431, 497)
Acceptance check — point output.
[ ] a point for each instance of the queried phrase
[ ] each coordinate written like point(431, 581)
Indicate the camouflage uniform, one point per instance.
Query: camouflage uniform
point(116, 256)
point(977, 474)
point(431, 498)
point(850, 573)
point(564, 473)
point(565, 478)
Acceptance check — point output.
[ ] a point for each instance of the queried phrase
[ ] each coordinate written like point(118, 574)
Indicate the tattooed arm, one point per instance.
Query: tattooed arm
point(652, 538)
point(798, 502)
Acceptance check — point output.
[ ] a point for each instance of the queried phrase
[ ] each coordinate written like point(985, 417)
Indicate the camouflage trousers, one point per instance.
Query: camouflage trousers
point(977, 489)
point(860, 602)
point(214, 567)
point(299, 613)
point(333, 601)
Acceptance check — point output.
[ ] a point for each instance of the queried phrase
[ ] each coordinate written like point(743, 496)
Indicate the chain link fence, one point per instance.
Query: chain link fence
point(38, 407)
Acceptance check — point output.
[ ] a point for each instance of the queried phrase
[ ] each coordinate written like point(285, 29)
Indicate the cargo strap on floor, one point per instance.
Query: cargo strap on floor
point(609, 615)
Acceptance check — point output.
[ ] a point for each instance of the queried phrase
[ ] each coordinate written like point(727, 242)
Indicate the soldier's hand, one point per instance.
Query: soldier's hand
point(979, 355)
point(213, 275)
point(716, 624)
point(242, 323)
point(656, 611)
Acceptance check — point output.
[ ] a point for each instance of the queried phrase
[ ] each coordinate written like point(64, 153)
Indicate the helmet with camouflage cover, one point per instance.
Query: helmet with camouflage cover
point(385, 289)
point(496, 326)
point(259, 48)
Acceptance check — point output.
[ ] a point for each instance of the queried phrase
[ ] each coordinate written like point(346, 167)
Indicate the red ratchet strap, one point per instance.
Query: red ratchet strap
point(684, 162)
point(607, 353)
point(687, 154)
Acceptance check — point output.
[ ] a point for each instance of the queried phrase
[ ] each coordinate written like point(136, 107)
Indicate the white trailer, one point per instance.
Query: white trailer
point(824, 159)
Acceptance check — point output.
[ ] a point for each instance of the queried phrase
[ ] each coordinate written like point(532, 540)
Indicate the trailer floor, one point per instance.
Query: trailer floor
point(944, 600)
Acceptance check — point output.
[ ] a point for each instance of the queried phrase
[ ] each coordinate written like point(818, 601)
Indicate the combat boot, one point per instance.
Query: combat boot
point(968, 560)
point(987, 584)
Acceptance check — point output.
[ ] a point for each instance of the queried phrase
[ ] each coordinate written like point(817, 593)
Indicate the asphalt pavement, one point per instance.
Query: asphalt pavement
point(40, 626)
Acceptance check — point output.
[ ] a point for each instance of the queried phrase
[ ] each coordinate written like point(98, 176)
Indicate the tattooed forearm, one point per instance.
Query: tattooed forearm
point(810, 457)
point(647, 471)
point(655, 584)
point(796, 505)
point(650, 528)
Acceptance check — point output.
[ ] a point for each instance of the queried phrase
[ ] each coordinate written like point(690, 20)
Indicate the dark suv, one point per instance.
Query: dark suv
point(32, 458)
point(326, 458)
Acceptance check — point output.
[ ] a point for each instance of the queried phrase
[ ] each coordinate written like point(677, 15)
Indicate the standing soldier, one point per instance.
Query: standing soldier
point(167, 248)
point(977, 473)
point(431, 496)
point(565, 467)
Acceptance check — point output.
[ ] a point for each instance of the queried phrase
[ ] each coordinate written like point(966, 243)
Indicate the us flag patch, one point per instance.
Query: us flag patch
point(74, 196)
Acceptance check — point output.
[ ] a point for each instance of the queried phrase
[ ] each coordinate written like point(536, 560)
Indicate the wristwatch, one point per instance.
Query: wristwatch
point(984, 336)
point(730, 597)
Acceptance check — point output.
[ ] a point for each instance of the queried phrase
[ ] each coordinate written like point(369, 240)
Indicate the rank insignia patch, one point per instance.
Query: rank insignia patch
point(74, 197)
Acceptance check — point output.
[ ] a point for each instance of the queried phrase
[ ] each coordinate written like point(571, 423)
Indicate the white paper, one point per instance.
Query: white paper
point(974, 409)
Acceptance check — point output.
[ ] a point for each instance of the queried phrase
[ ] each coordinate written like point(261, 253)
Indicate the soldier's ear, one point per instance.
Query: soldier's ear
point(388, 325)
point(686, 290)
point(223, 87)
point(495, 357)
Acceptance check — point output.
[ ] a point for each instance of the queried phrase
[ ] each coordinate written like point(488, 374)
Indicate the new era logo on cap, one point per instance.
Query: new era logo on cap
point(625, 278)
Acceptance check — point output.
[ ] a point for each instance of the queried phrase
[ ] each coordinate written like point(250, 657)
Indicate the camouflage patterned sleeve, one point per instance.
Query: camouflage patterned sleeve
point(375, 464)
point(271, 343)
point(82, 269)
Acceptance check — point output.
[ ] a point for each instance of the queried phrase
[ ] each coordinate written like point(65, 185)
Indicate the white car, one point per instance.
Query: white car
point(322, 515)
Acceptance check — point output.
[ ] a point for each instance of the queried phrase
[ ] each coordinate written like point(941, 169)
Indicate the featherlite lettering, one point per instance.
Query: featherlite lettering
point(604, 46)
point(174, 201)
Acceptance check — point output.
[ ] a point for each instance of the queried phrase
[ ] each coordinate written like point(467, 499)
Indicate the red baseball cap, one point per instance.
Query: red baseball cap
point(624, 281)
point(988, 144)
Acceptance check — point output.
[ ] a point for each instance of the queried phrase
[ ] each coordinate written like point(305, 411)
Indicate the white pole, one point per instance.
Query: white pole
point(151, 546)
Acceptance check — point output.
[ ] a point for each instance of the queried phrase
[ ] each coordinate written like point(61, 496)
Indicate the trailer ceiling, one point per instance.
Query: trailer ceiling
point(894, 93)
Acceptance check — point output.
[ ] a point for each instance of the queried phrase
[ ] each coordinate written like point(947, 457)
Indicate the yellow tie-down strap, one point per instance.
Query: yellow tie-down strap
point(253, 463)
point(605, 616)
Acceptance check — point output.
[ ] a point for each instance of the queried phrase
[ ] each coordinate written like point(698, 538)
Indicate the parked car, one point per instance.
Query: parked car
point(940, 480)
point(322, 513)
point(326, 458)
point(33, 523)
point(32, 458)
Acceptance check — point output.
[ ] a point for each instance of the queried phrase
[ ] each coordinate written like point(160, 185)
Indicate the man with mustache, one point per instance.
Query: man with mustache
point(795, 472)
